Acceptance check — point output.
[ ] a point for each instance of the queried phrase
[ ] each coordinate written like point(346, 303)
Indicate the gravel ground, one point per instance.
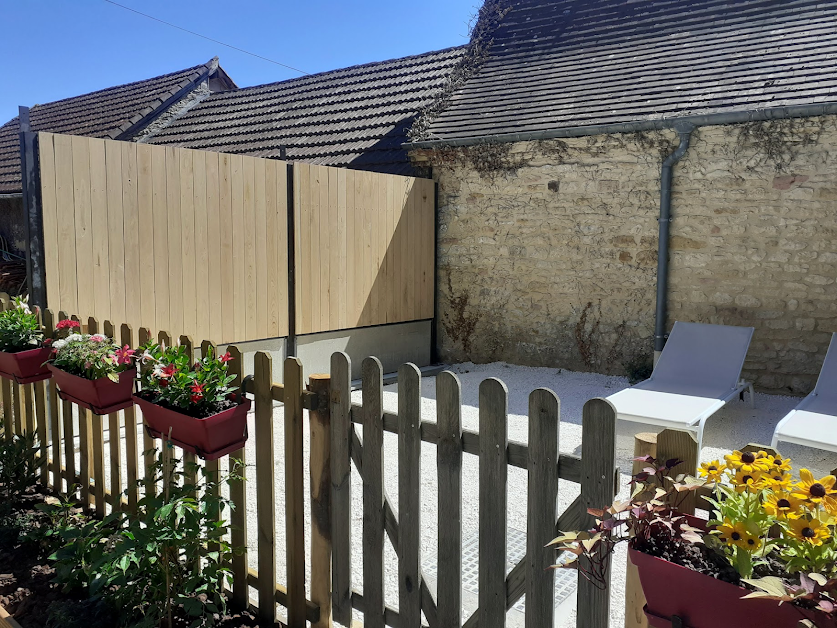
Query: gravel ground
point(734, 426)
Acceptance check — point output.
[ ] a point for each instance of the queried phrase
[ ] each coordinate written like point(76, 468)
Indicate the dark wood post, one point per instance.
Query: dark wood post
point(33, 213)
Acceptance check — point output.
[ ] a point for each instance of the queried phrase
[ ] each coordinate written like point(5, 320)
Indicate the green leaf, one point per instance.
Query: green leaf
point(193, 607)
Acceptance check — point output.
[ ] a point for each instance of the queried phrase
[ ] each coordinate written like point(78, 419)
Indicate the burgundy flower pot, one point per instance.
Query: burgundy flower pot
point(102, 395)
point(210, 438)
point(25, 367)
point(701, 601)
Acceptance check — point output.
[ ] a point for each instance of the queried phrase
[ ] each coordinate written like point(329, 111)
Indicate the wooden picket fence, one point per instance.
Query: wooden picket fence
point(335, 445)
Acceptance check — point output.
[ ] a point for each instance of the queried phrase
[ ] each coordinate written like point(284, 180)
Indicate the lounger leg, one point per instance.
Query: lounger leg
point(752, 396)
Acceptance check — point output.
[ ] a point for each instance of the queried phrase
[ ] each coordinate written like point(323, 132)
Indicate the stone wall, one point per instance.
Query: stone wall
point(547, 250)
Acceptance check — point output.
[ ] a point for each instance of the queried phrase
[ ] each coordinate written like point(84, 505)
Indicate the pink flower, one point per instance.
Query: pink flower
point(124, 355)
point(47, 342)
point(88, 364)
point(98, 338)
point(225, 358)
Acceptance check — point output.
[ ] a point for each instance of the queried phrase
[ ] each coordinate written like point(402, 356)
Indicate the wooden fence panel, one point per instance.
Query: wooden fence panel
point(341, 489)
point(373, 493)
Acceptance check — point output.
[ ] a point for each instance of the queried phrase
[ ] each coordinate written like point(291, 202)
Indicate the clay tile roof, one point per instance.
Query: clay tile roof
point(566, 63)
point(356, 117)
point(106, 113)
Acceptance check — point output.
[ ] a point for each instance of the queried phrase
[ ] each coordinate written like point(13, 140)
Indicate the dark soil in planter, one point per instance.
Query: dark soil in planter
point(34, 601)
point(192, 411)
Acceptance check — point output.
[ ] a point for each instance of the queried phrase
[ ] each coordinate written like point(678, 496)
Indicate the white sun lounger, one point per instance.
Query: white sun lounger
point(697, 373)
point(814, 421)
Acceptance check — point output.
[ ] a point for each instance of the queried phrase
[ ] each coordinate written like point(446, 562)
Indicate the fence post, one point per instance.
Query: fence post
point(114, 442)
point(683, 446)
point(294, 494)
point(598, 454)
point(373, 493)
point(265, 490)
point(127, 338)
point(238, 497)
point(409, 495)
point(34, 223)
point(321, 526)
point(97, 453)
point(341, 487)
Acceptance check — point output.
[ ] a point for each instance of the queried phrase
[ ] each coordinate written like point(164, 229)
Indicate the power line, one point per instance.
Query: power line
point(186, 30)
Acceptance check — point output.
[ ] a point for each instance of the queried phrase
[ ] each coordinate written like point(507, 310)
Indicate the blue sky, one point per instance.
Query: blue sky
point(55, 49)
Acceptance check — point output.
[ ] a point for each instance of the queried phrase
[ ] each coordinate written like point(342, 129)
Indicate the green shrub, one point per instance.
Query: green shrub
point(19, 468)
point(171, 553)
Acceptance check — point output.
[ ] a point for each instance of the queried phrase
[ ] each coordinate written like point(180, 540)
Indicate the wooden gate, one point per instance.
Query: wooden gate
point(594, 471)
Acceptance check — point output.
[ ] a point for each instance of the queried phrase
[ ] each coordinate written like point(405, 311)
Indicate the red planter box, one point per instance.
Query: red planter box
point(701, 601)
point(102, 395)
point(210, 438)
point(25, 367)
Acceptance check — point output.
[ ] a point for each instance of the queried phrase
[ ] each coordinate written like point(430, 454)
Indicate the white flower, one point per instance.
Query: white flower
point(58, 344)
point(74, 337)
point(24, 308)
point(146, 356)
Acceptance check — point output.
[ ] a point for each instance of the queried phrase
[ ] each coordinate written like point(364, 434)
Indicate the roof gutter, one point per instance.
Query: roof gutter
point(711, 119)
point(140, 124)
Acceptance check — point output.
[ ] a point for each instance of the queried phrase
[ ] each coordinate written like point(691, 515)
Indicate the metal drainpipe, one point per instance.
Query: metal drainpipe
point(685, 132)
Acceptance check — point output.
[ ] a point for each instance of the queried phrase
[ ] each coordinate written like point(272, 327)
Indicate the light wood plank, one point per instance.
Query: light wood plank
point(265, 486)
point(249, 250)
point(681, 446)
point(114, 444)
point(428, 199)
point(598, 453)
point(48, 321)
point(117, 173)
point(449, 470)
point(148, 443)
point(320, 483)
point(213, 246)
point(391, 244)
point(342, 285)
point(160, 260)
point(8, 418)
point(544, 415)
point(259, 229)
point(181, 260)
point(352, 297)
point(294, 493)
point(373, 493)
point(201, 304)
point(303, 221)
point(66, 231)
point(49, 204)
point(409, 495)
point(96, 444)
point(227, 276)
point(39, 389)
point(238, 497)
point(493, 418)
point(126, 334)
point(17, 411)
point(97, 303)
point(341, 486)
point(146, 226)
point(238, 257)
point(282, 251)
point(83, 225)
point(332, 249)
point(28, 409)
point(272, 273)
point(316, 259)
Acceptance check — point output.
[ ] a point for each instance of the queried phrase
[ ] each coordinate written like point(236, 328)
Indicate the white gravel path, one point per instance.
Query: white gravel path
point(734, 426)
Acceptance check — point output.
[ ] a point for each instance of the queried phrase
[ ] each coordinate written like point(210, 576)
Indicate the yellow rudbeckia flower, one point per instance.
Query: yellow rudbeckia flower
point(816, 491)
point(813, 531)
point(775, 462)
point(750, 482)
point(738, 535)
point(782, 505)
point(748, 462)
point(712, 471)
point(777, 480)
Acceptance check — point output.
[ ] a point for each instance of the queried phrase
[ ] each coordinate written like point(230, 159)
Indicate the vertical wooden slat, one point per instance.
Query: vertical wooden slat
point(49, 203)
point(302, 247)
point(249, 250)
point(17, 411)
point(69, 434)
point(146, 228)
point(282, 247)
point(213, 246)
point(237, 259)
point(259, 228)
point(116, 235)
point(65, 215)
point(53, 404)
point(8, 418)
point(160, 262)
point(131, 459)
point(449, 469)
point(341, 246)
point(83, 217)
point(201, 243)
point(41, 426)
point(321, 542)
point(544, 415)
point(189, 459)
point(294, 493)
point(97, 303)
point(332, 250)
point(95, 431)
point(493, 413)
point(598, 451)
point(373, 493)
point(409, 495)
point(28, 409)
point(130, 234)
point(265, 487)
point(318, 203)
point(148, 443)
point(341, 487)
point(353, 300)
point(179, 206)
point(188, 293)
point(211, 467)
point(114, 442)
point(227, 273)
point(238, 497)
